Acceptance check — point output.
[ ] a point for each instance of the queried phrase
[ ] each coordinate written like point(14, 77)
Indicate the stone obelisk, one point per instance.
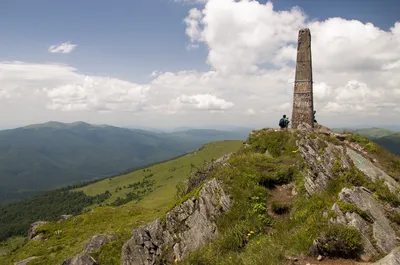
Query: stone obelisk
point(303, 103)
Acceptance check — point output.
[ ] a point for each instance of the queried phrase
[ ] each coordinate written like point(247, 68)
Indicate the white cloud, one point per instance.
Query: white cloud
point(201, 102)
point(250, 112)
point(67, 90)
point(243, 35)
point(191, 1)
point(251, 52)
point(99, 94)
point(65, 47)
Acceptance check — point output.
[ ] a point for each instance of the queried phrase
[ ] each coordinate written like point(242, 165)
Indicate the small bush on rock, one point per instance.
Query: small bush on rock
point(338, 241)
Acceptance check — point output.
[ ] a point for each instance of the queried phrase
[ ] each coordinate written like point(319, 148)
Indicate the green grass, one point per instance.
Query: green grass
point(374, 132)
point(12, 243)
point(71, 238)
point(66, 239)
point(166, 175)
point(248, 235)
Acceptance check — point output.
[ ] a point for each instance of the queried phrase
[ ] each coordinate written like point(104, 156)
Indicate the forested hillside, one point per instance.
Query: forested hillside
point(149, 185)
point(50, 155)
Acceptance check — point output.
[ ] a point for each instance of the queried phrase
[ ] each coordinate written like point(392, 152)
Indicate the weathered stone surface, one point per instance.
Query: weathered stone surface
point(354, 220)
point(393, 258)
point(64, 217)
point(383, 235)
point(320, 156)
point(25, 261)
point(197, 178)
point(32, 234)
point(97, 241)
point(80, 259)
point(303, 87)
point(372, 172)
point(187, 227)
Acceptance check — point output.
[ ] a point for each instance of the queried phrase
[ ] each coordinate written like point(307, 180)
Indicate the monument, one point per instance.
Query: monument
point(303, 103)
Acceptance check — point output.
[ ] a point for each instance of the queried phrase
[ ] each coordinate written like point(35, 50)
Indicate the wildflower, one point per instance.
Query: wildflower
point(176, 260)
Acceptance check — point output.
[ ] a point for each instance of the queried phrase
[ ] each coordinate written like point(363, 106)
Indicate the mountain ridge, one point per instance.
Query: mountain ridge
point(44, 156)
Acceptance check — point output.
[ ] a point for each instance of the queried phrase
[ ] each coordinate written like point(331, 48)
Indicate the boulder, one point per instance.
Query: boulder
point(378, 236)
point(372, 172)
point(80, 259)
point(97, 241)
point(355, 220)
point(25, 261)
point(64, 217)
point(393, 258)
point(187, 227)
point(32, 234)
point(320, 156)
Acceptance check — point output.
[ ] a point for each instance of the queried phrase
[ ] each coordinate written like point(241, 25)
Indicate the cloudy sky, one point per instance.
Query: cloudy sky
point(172, 63)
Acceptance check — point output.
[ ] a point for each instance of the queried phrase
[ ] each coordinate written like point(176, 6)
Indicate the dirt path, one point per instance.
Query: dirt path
point(326, 261)
point(283, 195)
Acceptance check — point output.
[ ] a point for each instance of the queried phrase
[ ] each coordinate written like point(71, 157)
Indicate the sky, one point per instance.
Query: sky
point(196, 63)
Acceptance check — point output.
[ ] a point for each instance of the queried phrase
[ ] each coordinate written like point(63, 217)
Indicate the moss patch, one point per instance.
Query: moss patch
point(351, 208)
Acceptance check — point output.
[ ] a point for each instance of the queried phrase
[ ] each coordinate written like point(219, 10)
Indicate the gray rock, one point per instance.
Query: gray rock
point(32, 234)
point(80, 259)
point(393, 258)
point(320, 156)
point(187, 227)
point(372, 172)
point(383, 235)
point(64, 217)
point(97, 241)
point(25, 261)
point(354, 220)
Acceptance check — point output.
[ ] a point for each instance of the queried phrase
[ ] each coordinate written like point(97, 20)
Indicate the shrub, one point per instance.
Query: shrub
point(339, 241)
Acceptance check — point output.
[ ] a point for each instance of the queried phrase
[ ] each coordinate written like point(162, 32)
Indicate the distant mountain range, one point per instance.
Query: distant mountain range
point(45, 156)
point(384, 137)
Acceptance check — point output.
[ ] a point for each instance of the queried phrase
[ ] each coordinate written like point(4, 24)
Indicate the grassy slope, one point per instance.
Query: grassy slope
point(166, 175)
point(374, 132)
point(56, 154)
point(250, 235)
point(390, 142)
point(120, 220)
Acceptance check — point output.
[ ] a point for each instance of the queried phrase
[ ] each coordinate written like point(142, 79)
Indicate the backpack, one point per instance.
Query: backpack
point(282, 123)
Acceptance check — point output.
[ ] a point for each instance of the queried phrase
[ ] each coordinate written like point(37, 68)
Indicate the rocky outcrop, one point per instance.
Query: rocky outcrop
point(64, 217)
point(393, 258)
point(97, 241)
point(320, 156)
point(187, 227)
point(25, 261)
point(32, 233)
point(198, 177)
point(377, 233)
point(93, 245)
point(80, 259)
point(372, 172)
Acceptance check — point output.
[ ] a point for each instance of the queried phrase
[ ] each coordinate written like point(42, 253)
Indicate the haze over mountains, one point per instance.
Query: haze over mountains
point(45, 156)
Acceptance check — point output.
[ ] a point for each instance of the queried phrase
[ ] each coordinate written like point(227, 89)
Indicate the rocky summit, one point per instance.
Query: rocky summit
point(291, 196)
